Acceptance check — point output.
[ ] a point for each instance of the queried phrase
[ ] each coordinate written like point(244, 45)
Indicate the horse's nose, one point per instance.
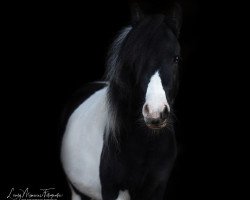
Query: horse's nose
point(155, 119)
point(148, 113)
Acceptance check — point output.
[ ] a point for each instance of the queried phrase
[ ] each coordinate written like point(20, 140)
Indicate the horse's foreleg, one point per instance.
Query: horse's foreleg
point(123, 195)
point(74, 195)
point(112, 194)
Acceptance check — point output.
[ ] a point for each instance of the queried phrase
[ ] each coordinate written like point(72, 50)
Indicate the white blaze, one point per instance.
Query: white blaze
point(156, 99)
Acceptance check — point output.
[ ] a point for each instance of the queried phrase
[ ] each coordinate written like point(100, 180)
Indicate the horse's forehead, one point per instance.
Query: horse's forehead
point(155, 82)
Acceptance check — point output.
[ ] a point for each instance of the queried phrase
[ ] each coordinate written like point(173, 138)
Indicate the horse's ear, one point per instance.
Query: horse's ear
point(136, 13)
point(174, 18)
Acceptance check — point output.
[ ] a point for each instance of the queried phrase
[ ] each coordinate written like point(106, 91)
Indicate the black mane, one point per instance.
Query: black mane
point(140, 44)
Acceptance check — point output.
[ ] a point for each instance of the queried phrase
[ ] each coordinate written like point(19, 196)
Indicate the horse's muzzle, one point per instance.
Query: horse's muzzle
point(156, 123)
point(155, 120)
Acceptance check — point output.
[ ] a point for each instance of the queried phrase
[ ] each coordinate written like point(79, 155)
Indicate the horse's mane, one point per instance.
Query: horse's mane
point(111, 72)
point(133, 47)
point(113, 54)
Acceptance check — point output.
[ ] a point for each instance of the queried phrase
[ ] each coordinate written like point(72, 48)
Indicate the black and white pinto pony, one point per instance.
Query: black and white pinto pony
point(119, 140)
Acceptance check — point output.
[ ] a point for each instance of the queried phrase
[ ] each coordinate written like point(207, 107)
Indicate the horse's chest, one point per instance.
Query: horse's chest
point(145, 160)
point(139, 161)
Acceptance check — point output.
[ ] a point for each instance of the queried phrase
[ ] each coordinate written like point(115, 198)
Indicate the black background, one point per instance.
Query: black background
point(52, 49)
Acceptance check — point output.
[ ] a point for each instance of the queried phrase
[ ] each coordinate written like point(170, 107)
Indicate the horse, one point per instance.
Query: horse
point(119, 140)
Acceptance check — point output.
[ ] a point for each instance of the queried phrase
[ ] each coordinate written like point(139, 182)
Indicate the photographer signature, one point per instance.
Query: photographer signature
point(43, 194)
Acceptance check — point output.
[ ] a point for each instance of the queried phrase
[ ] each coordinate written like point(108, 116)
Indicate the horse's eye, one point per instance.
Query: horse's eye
point(176, 59)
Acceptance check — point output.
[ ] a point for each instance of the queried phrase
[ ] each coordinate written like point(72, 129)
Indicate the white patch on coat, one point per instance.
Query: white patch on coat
point(123, 195)
point(155, 97)
point(83, 142)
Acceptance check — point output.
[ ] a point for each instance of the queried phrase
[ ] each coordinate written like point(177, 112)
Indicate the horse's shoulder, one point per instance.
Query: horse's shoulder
point(78, 98)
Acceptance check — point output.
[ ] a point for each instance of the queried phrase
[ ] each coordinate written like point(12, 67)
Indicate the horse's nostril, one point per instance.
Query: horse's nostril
point(146, 109)
point(165, 113)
